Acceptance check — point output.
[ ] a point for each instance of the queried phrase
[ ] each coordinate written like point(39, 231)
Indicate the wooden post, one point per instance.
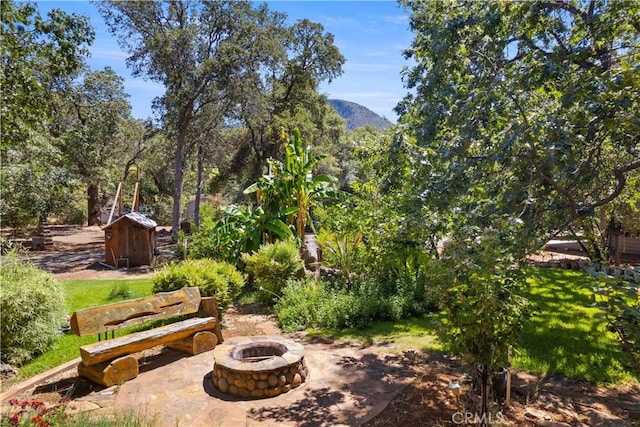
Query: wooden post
point(135, 206)
point(115, 202)
point(209, 308)
point(508, 396)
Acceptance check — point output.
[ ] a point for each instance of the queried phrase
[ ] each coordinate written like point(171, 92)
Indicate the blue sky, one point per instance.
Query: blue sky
point(370, 34)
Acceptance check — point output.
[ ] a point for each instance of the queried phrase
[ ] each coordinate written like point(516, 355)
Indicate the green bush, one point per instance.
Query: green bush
point(120, 292)
point(31, 310)
point(214, 278)
point(297, 309)
point(272, 266)
point(329, 304)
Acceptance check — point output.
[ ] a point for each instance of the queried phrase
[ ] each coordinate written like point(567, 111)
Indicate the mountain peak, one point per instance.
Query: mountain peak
point(357, 115)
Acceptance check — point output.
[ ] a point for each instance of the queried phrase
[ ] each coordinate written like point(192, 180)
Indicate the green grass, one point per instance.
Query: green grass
point(81, 294)
point(415, 333)
point(565, 336)
point(562, 337)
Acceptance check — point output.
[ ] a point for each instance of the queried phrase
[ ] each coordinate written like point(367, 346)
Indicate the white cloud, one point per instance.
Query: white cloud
point(106, 54)
point(154, 88)
point(369, 67)
point(399, 19)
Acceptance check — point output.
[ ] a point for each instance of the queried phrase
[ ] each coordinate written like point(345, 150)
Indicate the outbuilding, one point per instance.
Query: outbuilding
point(130, 241)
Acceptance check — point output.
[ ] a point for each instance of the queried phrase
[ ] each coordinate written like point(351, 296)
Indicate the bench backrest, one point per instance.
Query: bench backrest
point(163, 305)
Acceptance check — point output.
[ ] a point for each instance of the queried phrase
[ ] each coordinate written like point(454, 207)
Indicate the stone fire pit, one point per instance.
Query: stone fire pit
point(261, 366)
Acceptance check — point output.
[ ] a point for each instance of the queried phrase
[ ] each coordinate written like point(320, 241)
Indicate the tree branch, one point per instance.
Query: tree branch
point(619, 173)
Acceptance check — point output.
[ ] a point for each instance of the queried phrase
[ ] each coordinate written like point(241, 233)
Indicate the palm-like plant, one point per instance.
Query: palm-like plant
point(342, 252)
point(291, 188)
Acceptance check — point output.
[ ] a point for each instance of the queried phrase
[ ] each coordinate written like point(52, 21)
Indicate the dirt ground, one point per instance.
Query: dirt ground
point(77, 253)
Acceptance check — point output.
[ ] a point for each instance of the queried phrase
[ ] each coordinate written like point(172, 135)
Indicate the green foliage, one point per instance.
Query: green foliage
point(242, 229)
point(619, 303)
point(526, 109)
point(341, 252)
point(298, 307)
point(288, 97)
point(36, 52)
point(334, 305)
point(31, 310)
point(272, 265)
point(93, 132)
point(214, 278)
point(291, 187)
point(23, 180)
point(120, 291)
point(480, 292)
point(162, 210)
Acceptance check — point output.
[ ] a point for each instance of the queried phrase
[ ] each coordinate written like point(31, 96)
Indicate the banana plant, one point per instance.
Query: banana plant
point(291, 187)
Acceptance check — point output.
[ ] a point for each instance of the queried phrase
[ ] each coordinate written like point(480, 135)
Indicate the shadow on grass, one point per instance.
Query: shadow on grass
point(564, 335)
point(417, 332)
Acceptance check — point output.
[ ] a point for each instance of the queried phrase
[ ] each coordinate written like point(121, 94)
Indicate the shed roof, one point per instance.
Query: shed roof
point(136, 217)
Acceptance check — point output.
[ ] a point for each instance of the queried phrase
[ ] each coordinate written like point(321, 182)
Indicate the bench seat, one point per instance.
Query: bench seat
point(102, 351)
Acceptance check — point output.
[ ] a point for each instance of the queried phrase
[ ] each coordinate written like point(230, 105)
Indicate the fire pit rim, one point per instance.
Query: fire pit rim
point(225, 354)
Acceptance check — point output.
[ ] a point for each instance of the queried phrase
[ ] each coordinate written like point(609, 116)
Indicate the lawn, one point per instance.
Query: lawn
point(563, 335)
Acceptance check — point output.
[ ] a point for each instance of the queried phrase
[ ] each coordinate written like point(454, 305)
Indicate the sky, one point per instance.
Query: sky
point(370, 35)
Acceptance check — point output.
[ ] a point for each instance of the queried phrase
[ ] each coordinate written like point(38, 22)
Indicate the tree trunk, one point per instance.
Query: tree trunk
point(484, 393)
point(196, 208)
point(178, 170)
point(93, 206)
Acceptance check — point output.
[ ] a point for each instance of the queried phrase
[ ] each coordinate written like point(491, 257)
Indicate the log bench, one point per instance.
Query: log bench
point(112, 361)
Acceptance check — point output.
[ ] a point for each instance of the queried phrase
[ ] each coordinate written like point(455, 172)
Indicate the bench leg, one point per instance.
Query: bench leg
point(111, 373)
point(196, 344)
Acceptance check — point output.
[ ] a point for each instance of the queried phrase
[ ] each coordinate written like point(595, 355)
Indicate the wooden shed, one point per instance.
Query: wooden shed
point(130, 241)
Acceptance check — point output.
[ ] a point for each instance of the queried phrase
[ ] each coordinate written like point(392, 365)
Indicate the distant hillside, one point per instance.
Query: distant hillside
point(357, 116)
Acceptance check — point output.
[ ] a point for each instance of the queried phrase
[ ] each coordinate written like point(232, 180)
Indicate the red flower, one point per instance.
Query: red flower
point(36, 404)
point(14, 420)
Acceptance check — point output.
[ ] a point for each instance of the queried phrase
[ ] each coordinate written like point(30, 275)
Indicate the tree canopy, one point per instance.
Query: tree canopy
point(217, 61)
point(525, 109)
point(36, 52)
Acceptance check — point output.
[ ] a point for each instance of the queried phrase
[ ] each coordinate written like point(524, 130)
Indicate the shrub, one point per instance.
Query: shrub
point(31, 310)
point(241, 229)
point(35, 413)
point(119, 292)
point(331, 304)
point(214, 278)
point(272, 266)
point(298, 307)
point(619, 303)
point(342, 252)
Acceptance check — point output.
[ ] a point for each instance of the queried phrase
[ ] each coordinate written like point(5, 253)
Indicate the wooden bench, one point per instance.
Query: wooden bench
point(111, 361)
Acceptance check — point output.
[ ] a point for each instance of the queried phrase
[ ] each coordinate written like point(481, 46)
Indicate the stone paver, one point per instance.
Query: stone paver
point(346, 385)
